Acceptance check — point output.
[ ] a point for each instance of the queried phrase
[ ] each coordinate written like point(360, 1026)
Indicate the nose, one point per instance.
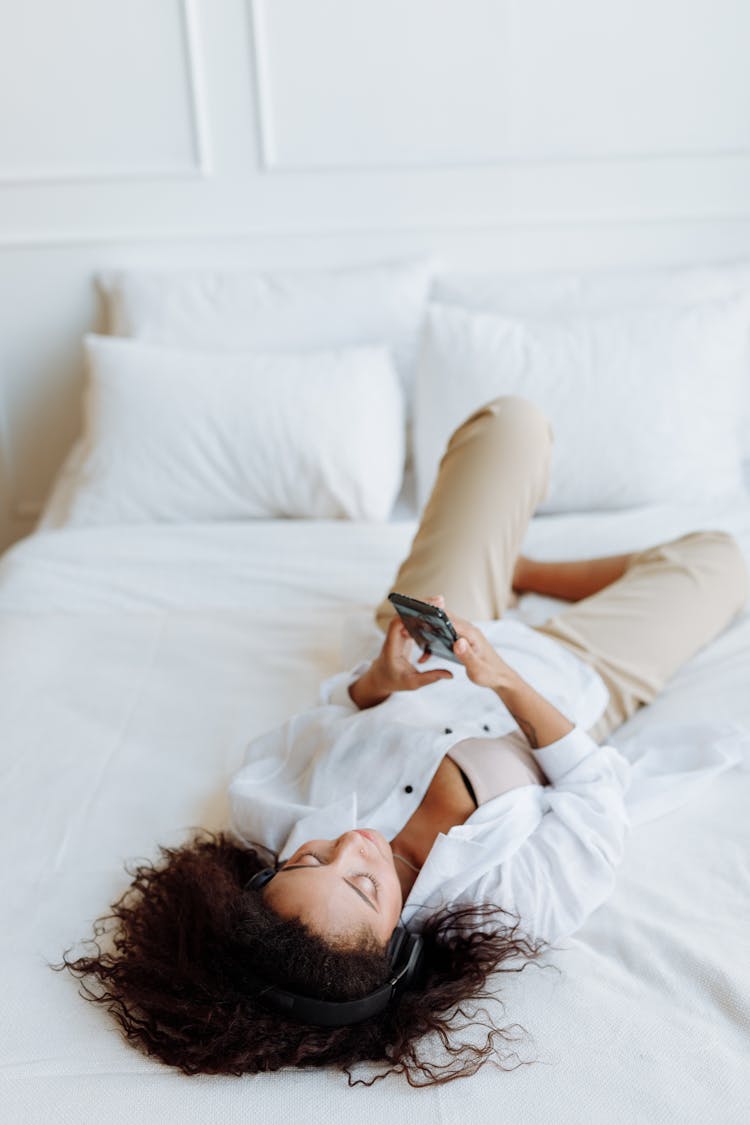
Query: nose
point(350, 842)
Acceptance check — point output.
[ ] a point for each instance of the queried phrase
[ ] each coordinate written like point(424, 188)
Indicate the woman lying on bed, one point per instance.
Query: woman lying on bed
point(431, 823)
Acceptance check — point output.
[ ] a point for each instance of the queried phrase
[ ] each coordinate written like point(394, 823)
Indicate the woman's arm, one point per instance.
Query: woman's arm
point(568, 866)
point(539, 720)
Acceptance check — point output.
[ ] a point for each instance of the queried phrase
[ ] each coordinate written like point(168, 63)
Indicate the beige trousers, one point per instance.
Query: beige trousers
point(673, 598)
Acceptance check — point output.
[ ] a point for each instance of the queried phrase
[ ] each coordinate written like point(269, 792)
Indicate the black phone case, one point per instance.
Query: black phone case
point(430, 626)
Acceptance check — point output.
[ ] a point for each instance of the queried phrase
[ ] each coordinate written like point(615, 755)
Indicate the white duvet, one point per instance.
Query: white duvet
point(135, 663)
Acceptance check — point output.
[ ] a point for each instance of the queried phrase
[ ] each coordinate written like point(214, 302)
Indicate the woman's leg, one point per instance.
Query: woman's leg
point(494, 473)
point(671, 600)
point(572, 579)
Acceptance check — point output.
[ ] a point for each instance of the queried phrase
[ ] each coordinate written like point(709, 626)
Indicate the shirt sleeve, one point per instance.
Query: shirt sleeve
point(567, 867)
point(560, 757)
point(336, 688)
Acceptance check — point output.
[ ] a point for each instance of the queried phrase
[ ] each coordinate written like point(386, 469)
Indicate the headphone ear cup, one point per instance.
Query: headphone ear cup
point(259, 880)
point(395, 945)
point(413, 958)
point(406, 952)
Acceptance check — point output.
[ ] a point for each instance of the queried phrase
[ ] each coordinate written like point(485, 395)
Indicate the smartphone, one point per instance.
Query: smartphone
point(430, 627)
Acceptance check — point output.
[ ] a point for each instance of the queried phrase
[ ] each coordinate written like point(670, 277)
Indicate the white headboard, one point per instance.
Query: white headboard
point(295, 133)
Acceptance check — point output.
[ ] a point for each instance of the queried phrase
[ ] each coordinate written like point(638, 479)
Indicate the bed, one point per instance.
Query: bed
point(137, 660)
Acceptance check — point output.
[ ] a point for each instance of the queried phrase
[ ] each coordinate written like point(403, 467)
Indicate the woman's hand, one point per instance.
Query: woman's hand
point(393, 666)
point(483, 665)
point(392, 669)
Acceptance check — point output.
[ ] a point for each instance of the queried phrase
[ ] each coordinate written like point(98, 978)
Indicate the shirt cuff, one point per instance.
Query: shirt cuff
point(335, 689)
point(559, 757)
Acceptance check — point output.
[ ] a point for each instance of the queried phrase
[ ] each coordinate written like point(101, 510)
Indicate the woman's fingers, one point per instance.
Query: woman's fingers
point(462, 626)
point(473, 636)
point(398, 642)
point(426, 678)
point(464, 649)
point(394, 628)
point(467, 630)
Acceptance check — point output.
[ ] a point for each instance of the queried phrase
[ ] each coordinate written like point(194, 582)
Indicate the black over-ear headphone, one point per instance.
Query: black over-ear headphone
point(406, 955)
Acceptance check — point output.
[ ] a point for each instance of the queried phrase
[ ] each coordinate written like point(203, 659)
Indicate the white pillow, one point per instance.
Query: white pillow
point(645, 404)
point(174, 436)
point(599, 290)
point(300, 310)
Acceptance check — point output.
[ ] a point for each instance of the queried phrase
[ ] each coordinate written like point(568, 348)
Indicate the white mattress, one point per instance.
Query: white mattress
point(135, 664)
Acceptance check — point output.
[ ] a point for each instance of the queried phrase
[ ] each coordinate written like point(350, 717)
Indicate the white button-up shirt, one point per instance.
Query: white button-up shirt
point(547, 852)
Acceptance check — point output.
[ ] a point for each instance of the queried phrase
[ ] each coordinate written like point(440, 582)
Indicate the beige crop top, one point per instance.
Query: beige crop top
point(491, 766)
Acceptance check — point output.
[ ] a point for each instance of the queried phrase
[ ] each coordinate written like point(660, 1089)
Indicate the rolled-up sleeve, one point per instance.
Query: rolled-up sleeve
point(567, 867)
point(336, 688)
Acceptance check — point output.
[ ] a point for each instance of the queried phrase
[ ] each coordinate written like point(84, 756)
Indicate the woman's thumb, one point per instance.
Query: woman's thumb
point(461, 647)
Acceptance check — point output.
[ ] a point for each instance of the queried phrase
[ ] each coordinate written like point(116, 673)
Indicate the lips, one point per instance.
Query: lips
point(381, 845)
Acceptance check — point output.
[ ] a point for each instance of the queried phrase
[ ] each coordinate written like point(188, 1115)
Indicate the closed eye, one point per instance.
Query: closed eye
point(360, 875)
point(373, 881)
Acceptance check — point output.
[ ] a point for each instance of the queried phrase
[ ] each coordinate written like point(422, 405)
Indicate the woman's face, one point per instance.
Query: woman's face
point(338, 887)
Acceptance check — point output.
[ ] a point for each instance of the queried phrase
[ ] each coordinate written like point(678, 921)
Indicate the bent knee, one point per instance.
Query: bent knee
point(513, 414)
point(715, 544)
point(730, 560)
point(716, 553)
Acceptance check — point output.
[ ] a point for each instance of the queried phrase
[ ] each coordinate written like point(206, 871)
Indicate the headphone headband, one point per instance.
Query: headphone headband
point(260, 879)
point(406, 954)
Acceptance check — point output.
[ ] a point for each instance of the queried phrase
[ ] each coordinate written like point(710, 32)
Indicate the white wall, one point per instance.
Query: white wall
point(510, 134)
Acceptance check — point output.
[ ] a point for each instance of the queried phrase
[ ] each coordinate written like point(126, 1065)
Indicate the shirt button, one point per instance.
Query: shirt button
point(448, 730)
point(485, 727)
point(408, 789)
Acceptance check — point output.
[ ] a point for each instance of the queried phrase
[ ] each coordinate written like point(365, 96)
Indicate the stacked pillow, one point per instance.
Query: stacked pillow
point(294, 311)
point(231, 394)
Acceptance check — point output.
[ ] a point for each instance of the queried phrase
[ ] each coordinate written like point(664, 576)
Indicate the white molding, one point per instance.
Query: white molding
point(202, 163)
point(269, 151)
point(289, 168)
point(199, 115)
point(448, 226)
point(261, 71)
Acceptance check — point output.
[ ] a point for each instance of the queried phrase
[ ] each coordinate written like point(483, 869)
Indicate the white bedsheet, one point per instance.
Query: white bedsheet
point(134, 665)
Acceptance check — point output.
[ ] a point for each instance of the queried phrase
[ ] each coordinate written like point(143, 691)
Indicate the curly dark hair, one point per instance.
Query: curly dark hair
point(183, 937)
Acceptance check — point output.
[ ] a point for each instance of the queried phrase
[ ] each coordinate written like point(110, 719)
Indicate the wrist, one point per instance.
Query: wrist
point(540, 720)
point(378, 678)
point(508, 683)
point(371, 688)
